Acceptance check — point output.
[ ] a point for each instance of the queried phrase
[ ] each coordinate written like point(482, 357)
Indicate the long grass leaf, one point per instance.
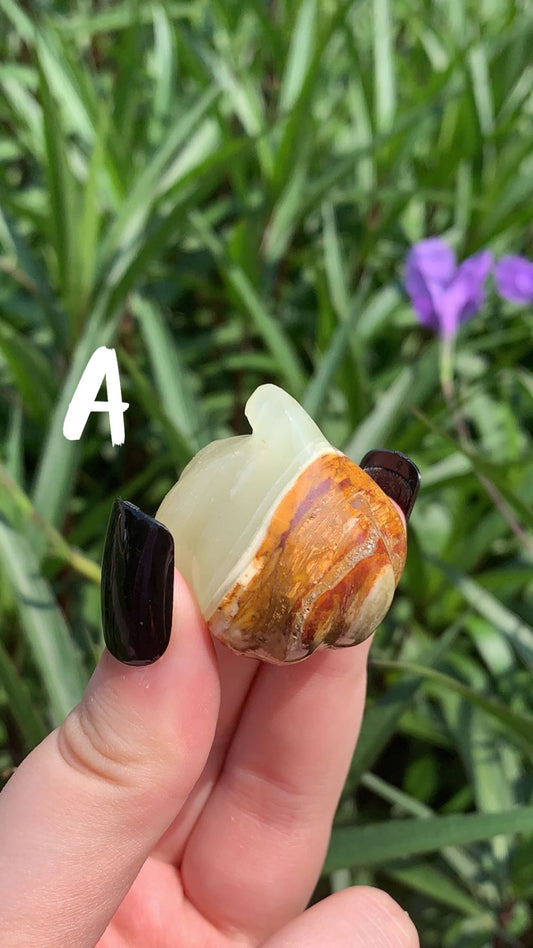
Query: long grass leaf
point(44, 626)
point(481, 465)
point(31, 372)
point(375, 844)
point(26, 716)
point(61, 189)
point(131, 219)
point(299, 56)
point(59, 458)
point(269, 329)
point(381, 718)
point(463, 864)
point(57, 544)
point(171, 376)
point(515, 629)
point(384, 68)
point(437, 885)
point(515, 724)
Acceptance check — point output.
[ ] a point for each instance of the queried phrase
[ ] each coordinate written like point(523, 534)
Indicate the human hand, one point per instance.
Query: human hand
point(187, 802)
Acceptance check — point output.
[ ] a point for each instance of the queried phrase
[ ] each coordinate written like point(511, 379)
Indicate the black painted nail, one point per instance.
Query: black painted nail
point(137, 585)
point(396, 474)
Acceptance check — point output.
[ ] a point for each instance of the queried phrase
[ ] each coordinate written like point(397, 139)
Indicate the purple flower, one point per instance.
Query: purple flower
point(514, 279)
point(444, 294)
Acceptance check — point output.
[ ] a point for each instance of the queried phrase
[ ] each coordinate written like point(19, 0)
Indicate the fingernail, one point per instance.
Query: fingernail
point(396, 474)
point(137, 585)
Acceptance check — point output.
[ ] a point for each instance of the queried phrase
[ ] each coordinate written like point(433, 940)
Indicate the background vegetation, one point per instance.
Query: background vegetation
point(225, 192)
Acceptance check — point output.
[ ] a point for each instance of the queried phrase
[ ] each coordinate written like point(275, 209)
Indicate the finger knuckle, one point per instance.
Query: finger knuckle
point(89, 743)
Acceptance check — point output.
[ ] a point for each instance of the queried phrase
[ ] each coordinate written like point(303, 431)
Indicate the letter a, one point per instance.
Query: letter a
point(102, 365)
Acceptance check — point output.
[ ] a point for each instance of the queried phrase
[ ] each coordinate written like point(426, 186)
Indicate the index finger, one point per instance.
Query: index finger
point(255, 854)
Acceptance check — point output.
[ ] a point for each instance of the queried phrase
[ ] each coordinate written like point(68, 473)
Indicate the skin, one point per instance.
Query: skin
point(189, 803)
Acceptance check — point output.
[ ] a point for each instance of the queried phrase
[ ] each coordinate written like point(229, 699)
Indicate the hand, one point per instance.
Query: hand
point(188, 802)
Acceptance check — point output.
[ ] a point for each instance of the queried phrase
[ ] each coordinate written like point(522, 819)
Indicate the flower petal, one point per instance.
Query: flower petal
point(429, 267)
point(474, 271)
point(466, 293)
point(455, 300)
point(514, 279)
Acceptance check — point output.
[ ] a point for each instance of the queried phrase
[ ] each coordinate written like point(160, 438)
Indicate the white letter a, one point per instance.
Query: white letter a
point(102, 365)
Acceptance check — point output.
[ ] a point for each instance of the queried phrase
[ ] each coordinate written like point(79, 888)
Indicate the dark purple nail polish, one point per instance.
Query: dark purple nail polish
point(137, 585)
point(396, 474)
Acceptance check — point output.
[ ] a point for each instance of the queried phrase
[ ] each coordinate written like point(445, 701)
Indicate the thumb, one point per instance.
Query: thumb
point(83, 811)
point(354, 918)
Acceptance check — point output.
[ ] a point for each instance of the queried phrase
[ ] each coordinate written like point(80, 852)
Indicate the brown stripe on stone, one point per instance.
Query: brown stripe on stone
point(331, 538)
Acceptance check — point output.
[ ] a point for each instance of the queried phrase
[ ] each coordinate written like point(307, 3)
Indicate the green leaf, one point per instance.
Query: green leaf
point(522, 868)
point(411, 386)
point(26, 716)
point(55, 541)
point(19, 19)
point(384, 69)
point(60, 190)
point(31, 372)
point(376, 844)
point(516, 631)
point(83, 24)
point(463, 864)
point(516, 725)
point(286, 212)
point(65, 84)
point(434, 883)
point(299, 56)
point(172, 378)
point(319, 386)
point(269, 329)
point(59, 458)
point(480, 465)
point(26, 269)
point(130, 222)
point(381, 718)
point(43, 624)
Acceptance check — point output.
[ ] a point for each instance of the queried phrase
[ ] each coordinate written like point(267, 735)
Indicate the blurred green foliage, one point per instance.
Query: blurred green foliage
point(225, 192)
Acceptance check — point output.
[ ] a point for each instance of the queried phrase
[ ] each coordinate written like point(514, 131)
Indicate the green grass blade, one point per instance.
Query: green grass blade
point(64, 79)
point(437, 885)
point(516, 631)
point(361, 846)
point(491, 471)
point(130, 222)
point(21, 22)
point(384, 69)
point(56, 543)
point(31, 372)
point(462, 863)
point(275, 339)
point(286, 213)
point(516, 725)
point(27, 271)
point(299, 56)
point(172, 378)
point(81, 23)
point(381, 718)
point(164, 66)
point(62, 192)
point(21, 706)
point(320, 384)
point(379, 424)
point(14, 444)
point(59, 458)
point(334, 264)
point(44, 626)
